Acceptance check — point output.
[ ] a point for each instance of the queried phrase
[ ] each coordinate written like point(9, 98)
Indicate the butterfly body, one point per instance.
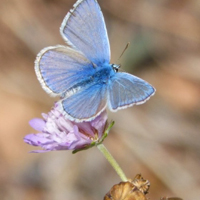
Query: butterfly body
point(81, 73)
point(101, 76)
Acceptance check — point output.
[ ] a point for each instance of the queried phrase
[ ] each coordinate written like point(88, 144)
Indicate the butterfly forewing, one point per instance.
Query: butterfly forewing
point(84, 28)
point(59, 68)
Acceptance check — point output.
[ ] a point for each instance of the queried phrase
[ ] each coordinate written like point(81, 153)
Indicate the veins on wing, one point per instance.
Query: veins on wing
point(78, 87)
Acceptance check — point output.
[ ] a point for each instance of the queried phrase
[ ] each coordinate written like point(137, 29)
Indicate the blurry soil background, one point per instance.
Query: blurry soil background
point(160, 139)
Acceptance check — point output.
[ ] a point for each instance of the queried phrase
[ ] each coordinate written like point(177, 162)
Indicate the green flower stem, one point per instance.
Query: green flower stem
point(112, 161)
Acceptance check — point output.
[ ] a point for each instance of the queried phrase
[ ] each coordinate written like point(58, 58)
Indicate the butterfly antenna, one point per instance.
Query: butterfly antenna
point(126, 47)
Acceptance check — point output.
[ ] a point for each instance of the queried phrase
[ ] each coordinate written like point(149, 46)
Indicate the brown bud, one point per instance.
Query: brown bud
point(142, 184)
point(130, 190)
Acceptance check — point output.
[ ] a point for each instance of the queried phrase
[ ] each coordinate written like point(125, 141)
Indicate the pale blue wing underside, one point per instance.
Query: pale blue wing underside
point(126, 90)
point(84, 29)
point(60, 68)
point(86, 104)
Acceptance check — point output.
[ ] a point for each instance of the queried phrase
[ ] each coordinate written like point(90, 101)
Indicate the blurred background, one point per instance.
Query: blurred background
point(160, 139)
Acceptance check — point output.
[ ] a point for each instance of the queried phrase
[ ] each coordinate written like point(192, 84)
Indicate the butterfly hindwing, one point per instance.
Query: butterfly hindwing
point(59, 68)
point(126, 90)
point(84, 28)
point(86, 104)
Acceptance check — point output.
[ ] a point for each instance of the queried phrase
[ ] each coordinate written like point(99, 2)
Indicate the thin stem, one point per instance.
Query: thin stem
point(112, 161)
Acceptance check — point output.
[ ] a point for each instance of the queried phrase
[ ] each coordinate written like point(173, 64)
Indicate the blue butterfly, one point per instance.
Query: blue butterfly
point(81, 73)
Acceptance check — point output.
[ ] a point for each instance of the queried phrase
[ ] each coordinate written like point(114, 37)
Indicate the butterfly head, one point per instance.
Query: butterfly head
point(115, 67)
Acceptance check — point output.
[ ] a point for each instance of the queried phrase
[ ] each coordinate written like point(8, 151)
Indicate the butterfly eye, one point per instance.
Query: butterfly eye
point(115, 67)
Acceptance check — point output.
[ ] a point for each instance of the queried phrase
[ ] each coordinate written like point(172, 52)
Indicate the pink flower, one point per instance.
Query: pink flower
point(55, 132)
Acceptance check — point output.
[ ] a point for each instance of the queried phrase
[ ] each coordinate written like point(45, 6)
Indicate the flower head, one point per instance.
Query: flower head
point(55, 132)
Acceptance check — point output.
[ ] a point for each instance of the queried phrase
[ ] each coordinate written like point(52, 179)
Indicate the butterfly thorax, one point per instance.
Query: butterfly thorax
point(103, 73)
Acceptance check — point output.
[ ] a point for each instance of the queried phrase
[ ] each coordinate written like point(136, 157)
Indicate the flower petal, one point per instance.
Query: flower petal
point(37, 123)
point(99, 122)
point(36, 139)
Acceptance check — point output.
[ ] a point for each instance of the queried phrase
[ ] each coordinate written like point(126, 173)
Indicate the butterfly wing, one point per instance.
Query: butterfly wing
point(86, 104)
point(126, 90)
point(84, 28)
point(59, 69)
